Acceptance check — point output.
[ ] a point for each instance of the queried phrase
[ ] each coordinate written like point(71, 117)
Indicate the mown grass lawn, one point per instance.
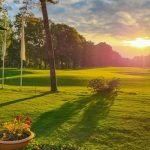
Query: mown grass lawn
point(74, 115)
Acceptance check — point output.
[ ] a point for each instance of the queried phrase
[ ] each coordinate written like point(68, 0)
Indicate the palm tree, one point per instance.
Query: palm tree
point(49, 44)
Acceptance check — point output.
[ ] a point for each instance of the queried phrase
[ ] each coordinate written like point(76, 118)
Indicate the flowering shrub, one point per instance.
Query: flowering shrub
point(17, 129)
point(34, 145)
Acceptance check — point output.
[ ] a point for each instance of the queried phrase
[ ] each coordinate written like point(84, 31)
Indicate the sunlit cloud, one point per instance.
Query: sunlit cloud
point(112, 21)
point(126, 19)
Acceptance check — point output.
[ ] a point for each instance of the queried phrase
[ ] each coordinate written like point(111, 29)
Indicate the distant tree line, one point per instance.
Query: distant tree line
point(68, 45)
point(71, 49)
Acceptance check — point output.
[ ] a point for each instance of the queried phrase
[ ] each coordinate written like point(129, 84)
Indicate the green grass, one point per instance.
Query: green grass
point(74, 115)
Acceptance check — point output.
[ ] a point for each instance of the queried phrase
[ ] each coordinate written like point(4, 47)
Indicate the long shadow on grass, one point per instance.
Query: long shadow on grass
point(44, 81)
point(14, 72)
point(94, 108)
point(24, 99)
point(97, 110)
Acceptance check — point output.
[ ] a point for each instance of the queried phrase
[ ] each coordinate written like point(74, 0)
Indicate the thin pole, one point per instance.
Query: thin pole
point(3, 57)
point(21, 74)
point(22, 52)
point(3, 73)
point(21, 67)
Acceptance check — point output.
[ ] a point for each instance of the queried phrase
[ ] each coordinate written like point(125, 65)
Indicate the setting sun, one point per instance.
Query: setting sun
point(139, 43)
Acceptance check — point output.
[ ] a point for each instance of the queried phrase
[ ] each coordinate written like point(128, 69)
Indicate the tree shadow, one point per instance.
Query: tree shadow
point(14, 72)
point(23, 99)
point(45, 81)
point(97, 110)
point(94, 108)
point(50, 121)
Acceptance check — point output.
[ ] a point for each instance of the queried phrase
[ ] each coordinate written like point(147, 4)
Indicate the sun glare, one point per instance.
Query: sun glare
point(139, 43)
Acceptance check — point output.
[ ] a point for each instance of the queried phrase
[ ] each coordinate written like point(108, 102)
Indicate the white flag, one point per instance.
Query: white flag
point(23, 51)
point(4, 46)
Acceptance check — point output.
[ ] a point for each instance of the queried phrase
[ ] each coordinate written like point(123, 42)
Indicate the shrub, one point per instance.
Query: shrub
point(97, 85)
point(113, 84)
point(100, 85)
point(34, 145)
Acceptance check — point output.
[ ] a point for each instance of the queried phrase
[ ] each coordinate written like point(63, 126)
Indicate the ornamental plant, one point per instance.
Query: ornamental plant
point(17, 129)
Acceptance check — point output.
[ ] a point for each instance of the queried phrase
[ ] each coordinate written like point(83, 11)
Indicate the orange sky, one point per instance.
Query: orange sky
point(111, 21)
point(119, 44)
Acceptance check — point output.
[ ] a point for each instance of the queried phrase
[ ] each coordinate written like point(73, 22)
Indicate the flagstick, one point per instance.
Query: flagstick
point(3, 73)
point(21, 74)
point(22, 53)
point(3, 57)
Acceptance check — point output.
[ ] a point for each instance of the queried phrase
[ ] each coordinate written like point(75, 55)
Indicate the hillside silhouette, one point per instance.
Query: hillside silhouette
point(103, 55)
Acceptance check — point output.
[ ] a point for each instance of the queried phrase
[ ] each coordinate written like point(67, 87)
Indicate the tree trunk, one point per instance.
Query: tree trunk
point(49, 47)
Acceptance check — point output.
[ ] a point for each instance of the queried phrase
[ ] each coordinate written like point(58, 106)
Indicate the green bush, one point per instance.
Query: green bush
point(113, 84)
point(101, 85)
point(97, 85)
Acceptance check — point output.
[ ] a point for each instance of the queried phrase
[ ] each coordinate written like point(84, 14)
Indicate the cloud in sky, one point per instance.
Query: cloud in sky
point(104, 20)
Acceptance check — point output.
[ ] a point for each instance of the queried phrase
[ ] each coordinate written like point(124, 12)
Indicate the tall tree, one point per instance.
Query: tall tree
point(49, 44)
point(68, 46)
point(50, 50)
